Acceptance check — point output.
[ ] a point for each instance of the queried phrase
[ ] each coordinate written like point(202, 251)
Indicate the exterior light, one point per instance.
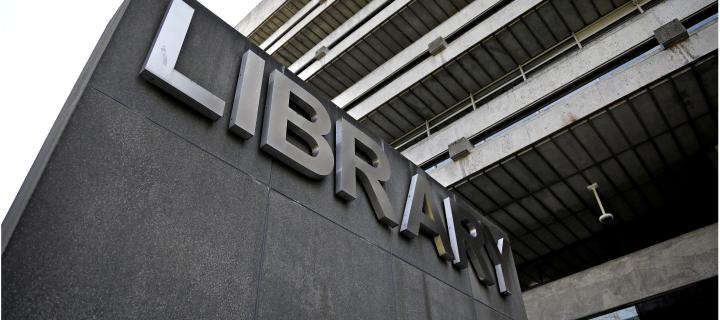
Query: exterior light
point(605, 217)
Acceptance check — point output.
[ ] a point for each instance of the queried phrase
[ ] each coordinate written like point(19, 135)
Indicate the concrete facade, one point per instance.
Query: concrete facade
point(137, 200)
point(530, 101)
point(138, 207)
point(671, 264)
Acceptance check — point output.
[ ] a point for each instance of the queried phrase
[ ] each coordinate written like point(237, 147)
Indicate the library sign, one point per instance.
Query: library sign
point(294, 130)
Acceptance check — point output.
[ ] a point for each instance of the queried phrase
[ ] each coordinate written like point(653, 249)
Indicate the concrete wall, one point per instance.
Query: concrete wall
point(662, 267)
point(138, 207)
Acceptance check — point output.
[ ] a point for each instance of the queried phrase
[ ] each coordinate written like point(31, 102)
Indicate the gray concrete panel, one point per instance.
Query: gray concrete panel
point(410, 299)
point(131, 221)
point(211, 57)
point(483, 312)
point(314, 269)
point(445, 302)
point(421, 296)
point(356, 215)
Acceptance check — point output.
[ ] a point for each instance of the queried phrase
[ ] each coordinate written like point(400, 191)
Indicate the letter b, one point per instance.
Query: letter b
point(281, 119)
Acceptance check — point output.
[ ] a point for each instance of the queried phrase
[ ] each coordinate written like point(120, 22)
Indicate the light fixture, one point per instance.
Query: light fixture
point(605, 217)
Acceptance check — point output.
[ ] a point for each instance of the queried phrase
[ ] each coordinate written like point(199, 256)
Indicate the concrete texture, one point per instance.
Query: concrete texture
point(141, 208)
point(564, 112)
point(315, 269)
point(555, 76)
point(662, 267)
point(129, 221)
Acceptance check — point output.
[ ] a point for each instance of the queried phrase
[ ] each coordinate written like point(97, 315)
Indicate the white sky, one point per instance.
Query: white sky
point(44, 45)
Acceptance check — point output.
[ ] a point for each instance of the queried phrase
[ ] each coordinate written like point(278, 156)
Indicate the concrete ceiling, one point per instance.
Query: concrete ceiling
point(318, 29)
point(276, 20)
point(654, 156)
point(491, 64)
point(402, 29)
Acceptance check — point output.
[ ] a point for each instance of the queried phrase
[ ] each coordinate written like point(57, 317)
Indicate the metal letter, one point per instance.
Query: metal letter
point(468, 242)
point(243, 116)
point(421, 214)
point(159, 67)
point(349, 167)
point(500, 257)
point(279, 118)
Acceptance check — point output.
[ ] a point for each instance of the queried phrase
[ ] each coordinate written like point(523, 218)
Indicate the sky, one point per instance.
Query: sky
point(45, 44)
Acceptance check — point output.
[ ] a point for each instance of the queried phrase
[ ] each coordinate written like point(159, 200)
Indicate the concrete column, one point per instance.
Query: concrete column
point(665, 266)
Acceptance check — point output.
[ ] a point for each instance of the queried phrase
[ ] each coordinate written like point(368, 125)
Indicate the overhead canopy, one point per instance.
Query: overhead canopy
point(492, 64)
point(654, 156)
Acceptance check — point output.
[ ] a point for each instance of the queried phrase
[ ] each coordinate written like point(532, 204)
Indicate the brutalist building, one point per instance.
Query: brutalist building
point(587, 129)
point(353, 159)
